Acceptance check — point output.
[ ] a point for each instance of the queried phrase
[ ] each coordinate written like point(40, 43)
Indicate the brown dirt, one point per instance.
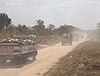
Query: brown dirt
point(46, 58)
point(49, 40)
point(84, 60)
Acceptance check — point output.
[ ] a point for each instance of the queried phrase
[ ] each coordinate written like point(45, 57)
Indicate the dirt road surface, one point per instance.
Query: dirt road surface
point(45, 59)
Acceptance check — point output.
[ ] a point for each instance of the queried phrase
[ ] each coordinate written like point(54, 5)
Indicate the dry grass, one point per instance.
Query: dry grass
point(4, 34)
point(50, 39)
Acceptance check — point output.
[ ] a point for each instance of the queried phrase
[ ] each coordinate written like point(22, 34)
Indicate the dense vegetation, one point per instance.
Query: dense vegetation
point(8, 29)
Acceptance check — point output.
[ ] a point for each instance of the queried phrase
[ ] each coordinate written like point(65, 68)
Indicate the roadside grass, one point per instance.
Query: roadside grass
point(84, 60)
point(48, 40)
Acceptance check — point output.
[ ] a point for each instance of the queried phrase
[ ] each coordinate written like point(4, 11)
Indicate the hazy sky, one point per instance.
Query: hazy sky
point(81, 13)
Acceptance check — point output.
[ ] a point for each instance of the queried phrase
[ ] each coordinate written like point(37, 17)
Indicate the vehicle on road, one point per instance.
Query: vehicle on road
point(66, 39)
point(20, 48)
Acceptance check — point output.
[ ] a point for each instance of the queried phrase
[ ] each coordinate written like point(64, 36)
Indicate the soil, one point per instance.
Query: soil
point(45, 59)
point(84, 60)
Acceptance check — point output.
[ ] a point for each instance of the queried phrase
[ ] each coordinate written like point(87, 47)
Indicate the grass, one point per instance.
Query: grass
point(4, 34)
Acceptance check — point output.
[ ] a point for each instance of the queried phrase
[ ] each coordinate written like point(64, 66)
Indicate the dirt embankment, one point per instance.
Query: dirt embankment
point(84, 60)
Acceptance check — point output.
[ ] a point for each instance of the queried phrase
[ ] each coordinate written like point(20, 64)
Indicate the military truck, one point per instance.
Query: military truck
point(20, 48)
point(66, 39)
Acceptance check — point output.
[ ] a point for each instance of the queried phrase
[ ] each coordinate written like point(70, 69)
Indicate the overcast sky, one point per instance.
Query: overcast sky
point(84, 14)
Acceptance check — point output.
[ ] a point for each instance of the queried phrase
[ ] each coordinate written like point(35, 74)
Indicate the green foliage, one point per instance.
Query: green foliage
point(39, 28)
point(23, 29)
point(51, 27)
point(4, 21)
point(11, 30)
point(66, 29)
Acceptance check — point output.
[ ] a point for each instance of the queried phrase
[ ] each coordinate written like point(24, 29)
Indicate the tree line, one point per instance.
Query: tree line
point(39, 28)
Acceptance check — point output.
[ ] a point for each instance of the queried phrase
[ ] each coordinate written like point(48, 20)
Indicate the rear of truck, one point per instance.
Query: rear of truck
point(66, 39)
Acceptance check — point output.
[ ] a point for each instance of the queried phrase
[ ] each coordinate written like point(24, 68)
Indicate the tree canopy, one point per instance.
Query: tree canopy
point(67, 29)
point(4, 21)
point(39, 28)
point(51, 27)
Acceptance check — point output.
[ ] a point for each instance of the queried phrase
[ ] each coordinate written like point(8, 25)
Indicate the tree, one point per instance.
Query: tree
point(98, 26)
point(39, 28)
point(11, 30)
point(4, 21)
point(51, 27)
point(22, 29)
point(67, 29)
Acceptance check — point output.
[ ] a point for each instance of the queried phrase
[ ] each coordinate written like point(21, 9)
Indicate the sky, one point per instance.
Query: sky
point(84, 14)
